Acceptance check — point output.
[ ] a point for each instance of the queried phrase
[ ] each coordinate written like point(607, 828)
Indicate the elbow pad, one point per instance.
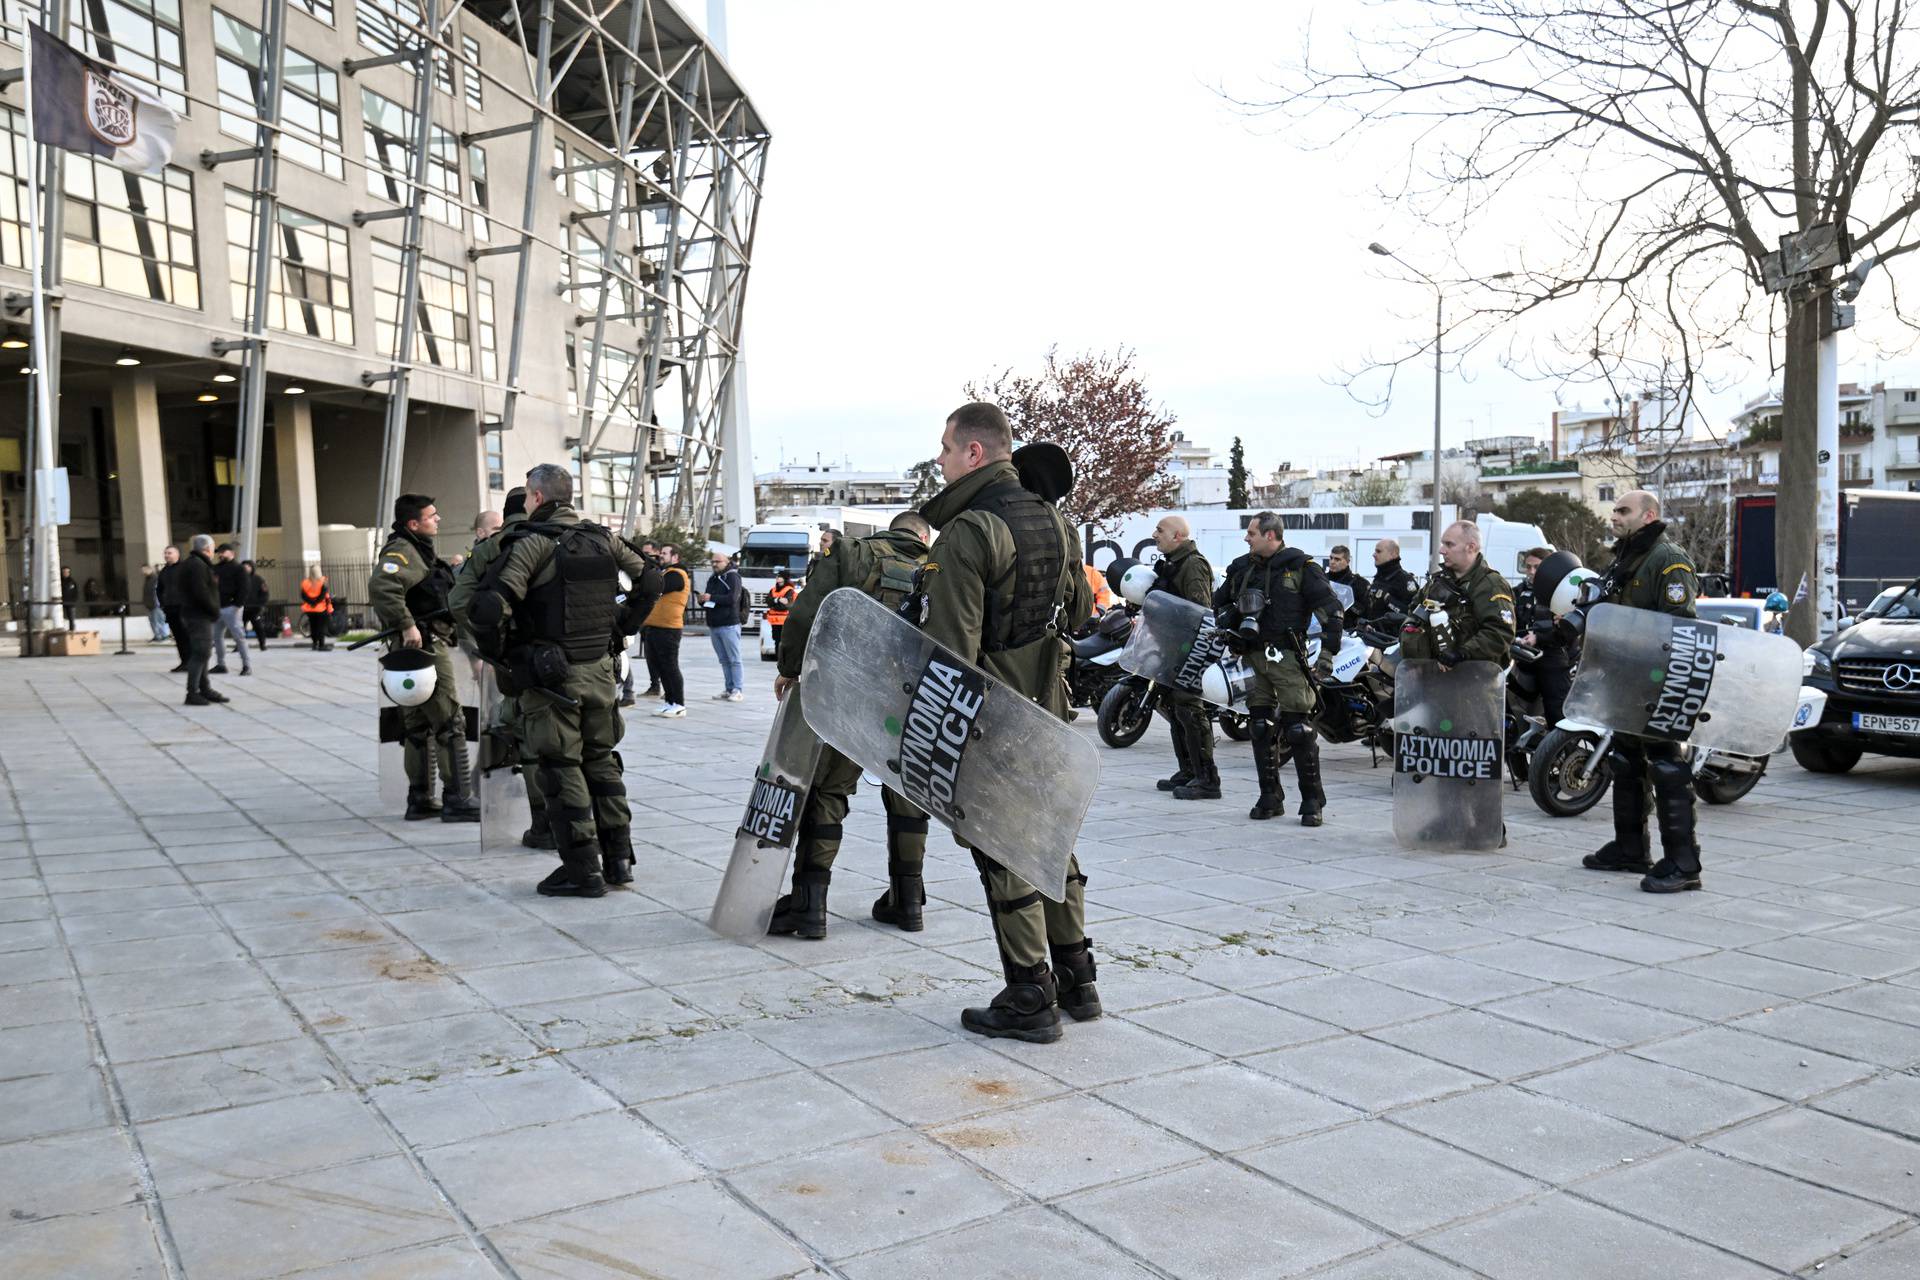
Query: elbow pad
point(487, 611)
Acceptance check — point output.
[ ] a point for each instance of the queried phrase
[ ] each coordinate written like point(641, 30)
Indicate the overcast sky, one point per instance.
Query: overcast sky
point(954, 188)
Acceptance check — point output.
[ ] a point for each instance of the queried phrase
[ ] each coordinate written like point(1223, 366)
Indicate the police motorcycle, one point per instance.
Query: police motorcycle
point(1569, 768)
point(1128, 702)
point(1095, 666)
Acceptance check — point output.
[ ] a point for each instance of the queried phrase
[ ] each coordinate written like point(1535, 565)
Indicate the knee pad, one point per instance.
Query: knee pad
point(1298, 730)
point(906, 826)
point(821, 831)
point(1670, 773)
point(606, 787)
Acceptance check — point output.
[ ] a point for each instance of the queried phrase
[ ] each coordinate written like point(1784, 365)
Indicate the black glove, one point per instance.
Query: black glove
point(1450, 657)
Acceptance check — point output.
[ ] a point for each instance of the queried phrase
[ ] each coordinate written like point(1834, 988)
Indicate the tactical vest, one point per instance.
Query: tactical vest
point(575, 607)
point(1286, 616)
point(892, 578)
point(1038, 564)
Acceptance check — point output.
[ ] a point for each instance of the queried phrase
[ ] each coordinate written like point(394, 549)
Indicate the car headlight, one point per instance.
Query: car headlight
point(1816, 662)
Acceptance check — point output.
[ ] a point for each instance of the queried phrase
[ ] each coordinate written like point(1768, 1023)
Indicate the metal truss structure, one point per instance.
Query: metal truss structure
point(678, 154)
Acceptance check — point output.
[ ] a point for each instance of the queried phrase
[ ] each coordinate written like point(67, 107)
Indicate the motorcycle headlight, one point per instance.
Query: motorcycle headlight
point(1816, 662)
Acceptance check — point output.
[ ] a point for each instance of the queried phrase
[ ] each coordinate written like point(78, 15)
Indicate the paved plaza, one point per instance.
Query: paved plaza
point(251, 1026)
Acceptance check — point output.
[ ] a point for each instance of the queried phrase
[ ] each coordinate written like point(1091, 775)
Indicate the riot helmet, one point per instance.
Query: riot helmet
point(408, 676)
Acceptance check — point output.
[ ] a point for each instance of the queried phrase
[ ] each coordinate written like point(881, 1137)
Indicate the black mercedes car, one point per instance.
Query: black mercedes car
point(1870, 672)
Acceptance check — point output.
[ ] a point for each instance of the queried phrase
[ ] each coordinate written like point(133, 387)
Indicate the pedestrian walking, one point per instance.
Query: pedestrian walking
point(316, 607)
point(230, 581)
point(663, 627)
point(254, 603)
point(779, 602)
point(724, 606)
point(199, 595)
point(172, 605)
point(69, 593)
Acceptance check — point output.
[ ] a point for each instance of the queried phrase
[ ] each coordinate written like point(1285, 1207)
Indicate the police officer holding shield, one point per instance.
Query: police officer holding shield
point(1002, 586)
point(1265, 607)
point(1184, 572)
point(1466, 611)
point(408, 591)
point(547, 615)
point(1649, 572)
point(884, 566)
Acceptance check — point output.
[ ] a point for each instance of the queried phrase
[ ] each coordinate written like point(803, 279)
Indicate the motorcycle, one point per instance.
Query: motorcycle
point(1355, 703)
point(1571, 771)
point(1095, 667)
point(1127, 710)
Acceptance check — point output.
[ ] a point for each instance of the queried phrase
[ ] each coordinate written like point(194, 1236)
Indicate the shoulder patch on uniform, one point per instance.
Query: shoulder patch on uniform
point(1676, 591)
point(1683, 567)
point(388, 566)
point(1498, 596)
point(1506, 616)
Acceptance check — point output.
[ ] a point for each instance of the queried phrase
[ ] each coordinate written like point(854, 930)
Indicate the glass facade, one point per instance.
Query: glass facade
point(442, 325)
point(321, 9)
point(384, 25)
point(388, 128)
point(476, 92)
point(489, 331)
point(141, 35)
point(309, 99)
point(312, 283)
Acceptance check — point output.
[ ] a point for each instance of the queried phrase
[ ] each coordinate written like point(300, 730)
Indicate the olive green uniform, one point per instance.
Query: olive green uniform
point(1651, 572)
point(882, 566)
point(969, 578)
point(1184, 572)
point(586, 796)
point(435, 730)
point(506, 716)
point(1480, 618)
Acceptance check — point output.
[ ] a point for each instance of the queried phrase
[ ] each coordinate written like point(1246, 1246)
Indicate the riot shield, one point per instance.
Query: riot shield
point(1173, 643)
point(763, 845)
point(1447, 736)
point(504, 812)
point(1652, 675)
point(1000, 771)
point(391, 758)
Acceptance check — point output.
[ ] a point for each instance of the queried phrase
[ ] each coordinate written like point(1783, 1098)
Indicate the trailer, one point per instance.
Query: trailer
point(1879, 545)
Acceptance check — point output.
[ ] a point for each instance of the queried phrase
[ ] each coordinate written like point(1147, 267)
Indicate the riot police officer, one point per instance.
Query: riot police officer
point(1393, 588)
point(548, 615)
point(1184, 572)
point(1649, 572)
point(1340, 572)
point(1554, 667)
point(1265, 606)
point(1466, 611)
point(1002, 587)
point(883, 566)
point(408, 591)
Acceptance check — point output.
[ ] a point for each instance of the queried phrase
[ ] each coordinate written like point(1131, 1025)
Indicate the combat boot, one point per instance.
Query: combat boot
point(1273, 800)
point(803, 913)
point(1073, 975)
point(1022, 1011)
point(420, 804)
point(566, 882)
point(455, 807)
point(1183, 771)
point(616, 855)
point(1306, 767)
point(1205, 785)
point(1627, 851)
point(1679, 865)
point(902, 904)
point(537, 836)
point(457, 801)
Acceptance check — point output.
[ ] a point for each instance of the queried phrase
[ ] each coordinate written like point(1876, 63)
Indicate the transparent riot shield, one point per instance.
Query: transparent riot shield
point(1447, 737)
point(763, 844)
point(1652, 675)
point(391, 759)
point(1173, 643)
point(504, 812)
point(1000, 771)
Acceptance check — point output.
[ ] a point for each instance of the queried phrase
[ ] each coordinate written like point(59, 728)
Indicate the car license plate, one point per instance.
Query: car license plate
point(1867, 722)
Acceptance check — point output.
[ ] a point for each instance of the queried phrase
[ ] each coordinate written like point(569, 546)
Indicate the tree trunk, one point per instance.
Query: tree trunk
point(1797, 500)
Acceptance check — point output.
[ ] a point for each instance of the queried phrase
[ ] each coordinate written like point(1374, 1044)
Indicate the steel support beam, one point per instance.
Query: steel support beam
point(536, 141)
point(253, 369)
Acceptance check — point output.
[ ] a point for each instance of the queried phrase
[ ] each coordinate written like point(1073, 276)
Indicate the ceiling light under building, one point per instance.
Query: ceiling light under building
point(296, 391)
point(206, 397)
point(13, 342)
point(223, 377)
point(127, 359)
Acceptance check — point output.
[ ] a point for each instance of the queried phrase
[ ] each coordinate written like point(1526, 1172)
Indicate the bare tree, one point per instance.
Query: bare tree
point(1691, 134)
point(1097, 409)
point(1371, 489)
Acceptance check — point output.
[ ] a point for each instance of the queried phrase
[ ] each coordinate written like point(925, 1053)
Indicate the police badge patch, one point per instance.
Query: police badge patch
point(1506, 616)
point(1676, 592)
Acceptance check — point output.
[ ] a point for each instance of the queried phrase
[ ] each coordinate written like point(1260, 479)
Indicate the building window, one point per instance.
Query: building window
point(126, 232)
point(441, 325)
point(476, 93)
point(386, 26)
point(496, 444)
point(573, 376)
point(618, 392)
point(1606, 493)
point(560, 167)
point(592, 188)
point(321, 9)
point(489, 332)
point(389, 140)
point(312, 286)
point(477, 188)
point(141, 35)
point(309, 97)
point(1908, 397)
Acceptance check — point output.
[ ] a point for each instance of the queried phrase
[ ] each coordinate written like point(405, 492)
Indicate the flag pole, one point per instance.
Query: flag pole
point(43, 579)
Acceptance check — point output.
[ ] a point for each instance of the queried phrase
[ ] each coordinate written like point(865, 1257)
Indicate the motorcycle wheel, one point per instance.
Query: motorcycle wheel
point(1235, 726)
point(1716, 787)
point(1556, 761)
point(1124, 719)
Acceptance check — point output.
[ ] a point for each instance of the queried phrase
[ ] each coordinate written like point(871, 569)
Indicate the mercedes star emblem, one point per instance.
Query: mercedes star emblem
point(1900, 677)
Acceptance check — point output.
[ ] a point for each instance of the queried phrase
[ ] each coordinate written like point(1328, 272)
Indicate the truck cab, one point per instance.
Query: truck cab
point(764, 552)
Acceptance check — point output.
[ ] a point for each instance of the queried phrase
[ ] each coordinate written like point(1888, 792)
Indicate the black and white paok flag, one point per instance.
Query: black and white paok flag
point(84, 105)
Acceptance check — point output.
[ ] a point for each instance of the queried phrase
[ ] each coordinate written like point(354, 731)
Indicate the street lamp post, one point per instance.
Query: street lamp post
point(1439, 331)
